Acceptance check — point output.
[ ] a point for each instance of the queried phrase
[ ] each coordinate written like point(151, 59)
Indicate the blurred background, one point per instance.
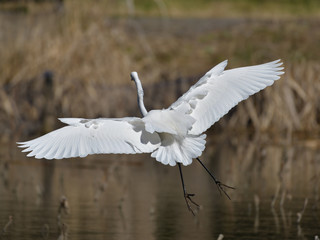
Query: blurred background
point(73, 58)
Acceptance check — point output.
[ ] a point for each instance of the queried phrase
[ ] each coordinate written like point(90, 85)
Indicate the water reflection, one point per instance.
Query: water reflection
point(134, 197)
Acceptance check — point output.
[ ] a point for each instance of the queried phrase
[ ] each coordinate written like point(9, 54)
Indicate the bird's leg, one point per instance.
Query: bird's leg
point(219, 184)
point(187, 196)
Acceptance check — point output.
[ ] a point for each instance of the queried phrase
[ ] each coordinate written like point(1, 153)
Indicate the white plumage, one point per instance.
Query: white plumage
point(173, 135)
point(218, 91)
point(85, 136)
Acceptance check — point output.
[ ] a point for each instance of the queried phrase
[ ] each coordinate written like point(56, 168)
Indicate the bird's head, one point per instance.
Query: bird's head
point(134, 76)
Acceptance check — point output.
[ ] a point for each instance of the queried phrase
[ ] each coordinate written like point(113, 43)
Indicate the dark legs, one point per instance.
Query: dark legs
point(220, 185)
point(187, 196)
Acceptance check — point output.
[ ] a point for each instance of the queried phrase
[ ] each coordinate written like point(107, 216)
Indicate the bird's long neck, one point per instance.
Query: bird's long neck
point(135, 78)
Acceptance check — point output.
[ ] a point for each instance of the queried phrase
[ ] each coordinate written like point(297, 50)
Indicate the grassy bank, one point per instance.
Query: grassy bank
point(74, 59)
point(177, 8)
point(227, 8)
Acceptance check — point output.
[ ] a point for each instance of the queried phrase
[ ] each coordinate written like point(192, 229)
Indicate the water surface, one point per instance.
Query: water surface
point(135, 197)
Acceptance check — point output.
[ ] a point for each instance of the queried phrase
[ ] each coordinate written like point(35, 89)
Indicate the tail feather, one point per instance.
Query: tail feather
point(177, 149)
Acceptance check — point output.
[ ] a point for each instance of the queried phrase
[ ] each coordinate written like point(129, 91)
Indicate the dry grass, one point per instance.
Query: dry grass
point(74, 61)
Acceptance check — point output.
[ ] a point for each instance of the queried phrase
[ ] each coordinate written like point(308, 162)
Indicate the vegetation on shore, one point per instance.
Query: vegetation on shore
point(73, 59)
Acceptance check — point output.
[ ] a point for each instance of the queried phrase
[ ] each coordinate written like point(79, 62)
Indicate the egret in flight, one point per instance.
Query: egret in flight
point(173, 136)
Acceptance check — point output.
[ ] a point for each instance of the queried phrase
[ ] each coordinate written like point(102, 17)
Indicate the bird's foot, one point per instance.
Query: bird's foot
point(221, 187)
point(189, 201)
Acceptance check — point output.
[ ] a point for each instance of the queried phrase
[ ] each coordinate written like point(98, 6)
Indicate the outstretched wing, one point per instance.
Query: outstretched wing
point(93, 136)
point(218, 91)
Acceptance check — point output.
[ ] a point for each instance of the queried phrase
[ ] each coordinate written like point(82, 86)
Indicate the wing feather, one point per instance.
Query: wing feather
point(93, 136)
point(221, 90)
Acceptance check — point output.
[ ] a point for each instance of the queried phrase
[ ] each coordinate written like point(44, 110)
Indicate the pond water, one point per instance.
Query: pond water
point(135, 197)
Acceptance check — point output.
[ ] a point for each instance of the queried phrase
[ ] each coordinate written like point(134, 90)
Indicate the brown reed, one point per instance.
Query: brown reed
point(74, 61)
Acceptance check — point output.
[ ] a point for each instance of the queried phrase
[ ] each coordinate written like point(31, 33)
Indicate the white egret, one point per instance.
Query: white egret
point(173, 135)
